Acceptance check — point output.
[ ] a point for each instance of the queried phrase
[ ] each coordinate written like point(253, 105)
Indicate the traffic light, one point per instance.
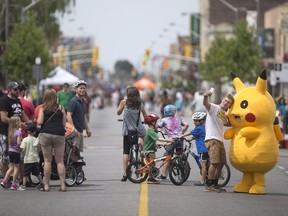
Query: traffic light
point(165, 64)
point(75, 65)
point(188, 51)
point(95, 55)
point(147, 53)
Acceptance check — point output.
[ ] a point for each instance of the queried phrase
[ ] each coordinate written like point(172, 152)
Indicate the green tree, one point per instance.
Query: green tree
point(123, 70)
point(46, 11)
point(25, 44)
point(240, 55)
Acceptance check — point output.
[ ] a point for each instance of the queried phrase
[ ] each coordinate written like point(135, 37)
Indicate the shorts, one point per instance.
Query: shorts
point(14, 157)
point(78, 141)
point(31, 168)
point(216, 151)
point(178, 145)
point(4, 157)
point(126, 145)
point(204, 156)
point(51, 140)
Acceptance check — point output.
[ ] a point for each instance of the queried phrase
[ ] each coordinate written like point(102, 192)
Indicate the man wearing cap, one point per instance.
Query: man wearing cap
point(76, 114)
point(10, 105)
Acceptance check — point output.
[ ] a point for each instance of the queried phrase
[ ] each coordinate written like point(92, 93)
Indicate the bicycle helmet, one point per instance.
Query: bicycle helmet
point(169, 110)
point(151, 117)
point(199, 116)
point(80, 82)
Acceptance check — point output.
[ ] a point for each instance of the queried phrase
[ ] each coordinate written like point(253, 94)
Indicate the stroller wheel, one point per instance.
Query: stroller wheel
point(71, 176)
point(80, 177)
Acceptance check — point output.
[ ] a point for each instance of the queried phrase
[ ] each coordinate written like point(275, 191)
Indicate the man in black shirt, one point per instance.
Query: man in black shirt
point(10, 106)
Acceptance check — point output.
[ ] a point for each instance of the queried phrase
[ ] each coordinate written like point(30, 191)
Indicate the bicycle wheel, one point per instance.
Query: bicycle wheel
point(176, 174)
point(133, 173)
point(71, 176)
point(80, 177)
point(185, 165)
point(33, 180)
point(225, 176)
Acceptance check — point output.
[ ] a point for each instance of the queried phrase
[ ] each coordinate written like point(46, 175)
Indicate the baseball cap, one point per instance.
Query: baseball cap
point(22, 87)
point(12, 85)
point(31, 128)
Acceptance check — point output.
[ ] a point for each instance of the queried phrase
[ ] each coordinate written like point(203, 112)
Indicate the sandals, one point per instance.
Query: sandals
point(124, 178)
point(63, 189)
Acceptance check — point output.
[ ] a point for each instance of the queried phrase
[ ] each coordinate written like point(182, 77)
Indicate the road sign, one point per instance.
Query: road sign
point(278, 67)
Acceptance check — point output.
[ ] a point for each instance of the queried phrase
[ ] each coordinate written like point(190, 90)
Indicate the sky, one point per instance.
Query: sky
point(123, 29)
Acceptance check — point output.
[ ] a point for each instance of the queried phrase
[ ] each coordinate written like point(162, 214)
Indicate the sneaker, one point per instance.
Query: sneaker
point(199, 184)
point(14, 186)
point(4, 184)
point(153, 181)
point(22, 188)
point(161, 178)
point(212, 189)
point(219, 188)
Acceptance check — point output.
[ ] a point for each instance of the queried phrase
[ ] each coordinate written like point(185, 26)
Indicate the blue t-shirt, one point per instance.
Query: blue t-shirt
point(199, 133)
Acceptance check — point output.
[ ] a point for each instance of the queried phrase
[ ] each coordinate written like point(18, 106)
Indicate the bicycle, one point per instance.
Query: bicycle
point(138, 171)
point(182, 159)
point(135, 151)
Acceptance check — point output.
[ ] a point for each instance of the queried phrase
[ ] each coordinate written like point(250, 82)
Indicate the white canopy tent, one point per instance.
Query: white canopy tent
point(59, 76)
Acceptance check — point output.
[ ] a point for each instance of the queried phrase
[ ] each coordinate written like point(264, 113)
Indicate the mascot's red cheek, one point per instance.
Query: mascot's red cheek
point(250, 117)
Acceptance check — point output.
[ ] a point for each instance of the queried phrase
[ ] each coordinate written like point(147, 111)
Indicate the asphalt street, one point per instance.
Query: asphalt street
point(103, 193)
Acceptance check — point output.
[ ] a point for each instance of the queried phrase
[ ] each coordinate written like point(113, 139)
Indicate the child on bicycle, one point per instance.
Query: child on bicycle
point(150, 141)
point(174, 127)
point(199, 134)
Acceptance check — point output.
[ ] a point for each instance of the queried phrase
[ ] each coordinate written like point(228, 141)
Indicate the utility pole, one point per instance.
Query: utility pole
point(6, 23)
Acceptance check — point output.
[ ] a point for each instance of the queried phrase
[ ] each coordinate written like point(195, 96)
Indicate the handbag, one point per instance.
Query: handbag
point(133, 134)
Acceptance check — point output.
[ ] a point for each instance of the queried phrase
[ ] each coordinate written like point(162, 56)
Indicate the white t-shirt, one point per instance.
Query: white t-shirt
point(31, 152)
point(215, 121)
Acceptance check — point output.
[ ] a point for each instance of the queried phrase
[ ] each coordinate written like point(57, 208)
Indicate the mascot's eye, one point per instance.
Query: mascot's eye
point(244, 104)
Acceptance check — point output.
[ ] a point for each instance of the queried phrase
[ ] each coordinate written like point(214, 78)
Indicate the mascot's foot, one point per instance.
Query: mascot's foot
point(241, 188)
point(257, 189)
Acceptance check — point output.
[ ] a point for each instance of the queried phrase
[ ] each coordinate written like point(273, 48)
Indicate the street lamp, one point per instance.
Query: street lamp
point(24, 9)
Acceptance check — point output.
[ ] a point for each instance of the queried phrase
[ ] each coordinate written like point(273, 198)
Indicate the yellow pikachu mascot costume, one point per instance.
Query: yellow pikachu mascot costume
point(254, 146)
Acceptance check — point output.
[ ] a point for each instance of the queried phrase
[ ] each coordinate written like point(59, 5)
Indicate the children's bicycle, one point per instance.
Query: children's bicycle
point(182, 160)
point(138, 171)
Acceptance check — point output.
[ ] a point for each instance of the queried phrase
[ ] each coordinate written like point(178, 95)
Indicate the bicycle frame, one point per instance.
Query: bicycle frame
point(150, 164)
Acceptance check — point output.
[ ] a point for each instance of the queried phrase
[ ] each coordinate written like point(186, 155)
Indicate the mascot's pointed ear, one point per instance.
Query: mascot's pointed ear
point(238, 84)
point(261, 84)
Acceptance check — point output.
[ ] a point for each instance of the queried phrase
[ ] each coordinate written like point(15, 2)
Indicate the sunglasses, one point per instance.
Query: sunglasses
point(16, 89)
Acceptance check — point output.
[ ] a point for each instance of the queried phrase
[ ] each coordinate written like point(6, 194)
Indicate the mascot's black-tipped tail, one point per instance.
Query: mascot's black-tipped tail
point(263, 75)
point(233, 76)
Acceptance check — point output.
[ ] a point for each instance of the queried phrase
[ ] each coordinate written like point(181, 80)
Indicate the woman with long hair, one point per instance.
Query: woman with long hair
point(52, 119)
point(132, 108)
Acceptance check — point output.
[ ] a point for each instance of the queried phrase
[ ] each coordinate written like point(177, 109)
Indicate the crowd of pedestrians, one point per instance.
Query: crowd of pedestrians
point(20, 122)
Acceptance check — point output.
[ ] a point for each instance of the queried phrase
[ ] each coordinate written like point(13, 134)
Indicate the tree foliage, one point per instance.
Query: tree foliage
point(46, 12)
point(25, 44)
point(240, 55)
point(123, 69)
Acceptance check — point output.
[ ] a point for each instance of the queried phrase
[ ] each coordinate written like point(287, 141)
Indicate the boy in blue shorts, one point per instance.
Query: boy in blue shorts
point(150, 141)
point(199, 134)
point(31, 157)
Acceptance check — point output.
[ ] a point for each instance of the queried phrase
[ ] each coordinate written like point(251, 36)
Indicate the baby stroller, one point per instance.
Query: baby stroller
point(72, 160)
